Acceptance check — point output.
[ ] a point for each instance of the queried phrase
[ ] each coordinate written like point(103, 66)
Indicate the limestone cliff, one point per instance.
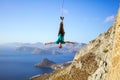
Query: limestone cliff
point(114, 67)
point(99, 60)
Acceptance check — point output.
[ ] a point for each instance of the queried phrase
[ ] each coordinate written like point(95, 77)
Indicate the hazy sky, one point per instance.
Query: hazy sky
point(38, 20)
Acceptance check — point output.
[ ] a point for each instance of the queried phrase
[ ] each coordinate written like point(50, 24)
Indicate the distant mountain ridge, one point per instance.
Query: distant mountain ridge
point(39, 48)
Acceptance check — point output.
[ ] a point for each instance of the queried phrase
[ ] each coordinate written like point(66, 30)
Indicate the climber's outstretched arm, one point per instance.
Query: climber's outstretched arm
point(49, 43)
point(69, 42)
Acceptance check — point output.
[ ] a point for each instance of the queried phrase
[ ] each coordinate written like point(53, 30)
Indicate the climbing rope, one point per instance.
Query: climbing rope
point(62, 8)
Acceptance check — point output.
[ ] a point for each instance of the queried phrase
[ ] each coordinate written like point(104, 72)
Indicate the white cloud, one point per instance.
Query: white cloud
point(109, 18)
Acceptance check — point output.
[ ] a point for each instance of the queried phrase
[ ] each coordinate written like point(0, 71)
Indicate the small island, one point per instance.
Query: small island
point(45, 63)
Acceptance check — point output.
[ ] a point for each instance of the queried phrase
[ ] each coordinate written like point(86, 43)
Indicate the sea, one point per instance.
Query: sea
point(16, 65)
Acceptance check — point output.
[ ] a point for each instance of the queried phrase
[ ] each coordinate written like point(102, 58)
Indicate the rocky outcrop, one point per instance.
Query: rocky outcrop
point(60, 66)
point(99, 60)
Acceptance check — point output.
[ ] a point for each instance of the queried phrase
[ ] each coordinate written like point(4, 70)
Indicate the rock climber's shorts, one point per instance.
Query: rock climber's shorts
point(60, 39)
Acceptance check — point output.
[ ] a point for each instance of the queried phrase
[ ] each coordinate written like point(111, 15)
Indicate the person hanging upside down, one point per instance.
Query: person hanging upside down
point(61, 34)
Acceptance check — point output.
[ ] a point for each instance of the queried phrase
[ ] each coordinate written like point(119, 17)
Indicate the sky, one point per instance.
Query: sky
point(31, 21)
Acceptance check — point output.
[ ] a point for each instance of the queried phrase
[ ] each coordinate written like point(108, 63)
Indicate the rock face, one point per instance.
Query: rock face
point(114, 68)
point(45, 63)
point(99, 60)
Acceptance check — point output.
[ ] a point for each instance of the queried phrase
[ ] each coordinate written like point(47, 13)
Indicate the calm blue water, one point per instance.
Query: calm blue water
point(20, 65)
